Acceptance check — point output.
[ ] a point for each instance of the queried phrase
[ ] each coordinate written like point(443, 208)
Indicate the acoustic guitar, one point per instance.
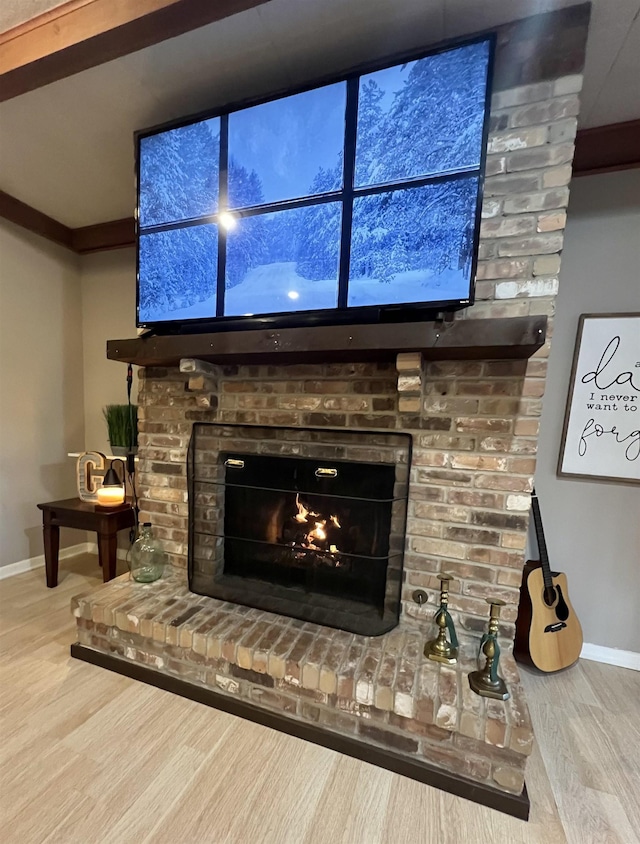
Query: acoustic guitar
point(548, 633)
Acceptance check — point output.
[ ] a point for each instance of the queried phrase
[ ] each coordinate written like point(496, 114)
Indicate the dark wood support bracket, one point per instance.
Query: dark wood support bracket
point(463, 339)
point(516, 805)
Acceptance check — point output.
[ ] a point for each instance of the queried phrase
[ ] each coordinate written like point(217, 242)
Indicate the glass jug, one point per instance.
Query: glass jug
point(147, 556)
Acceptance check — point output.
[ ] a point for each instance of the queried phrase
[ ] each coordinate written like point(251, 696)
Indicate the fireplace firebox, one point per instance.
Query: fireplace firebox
point(302, 522)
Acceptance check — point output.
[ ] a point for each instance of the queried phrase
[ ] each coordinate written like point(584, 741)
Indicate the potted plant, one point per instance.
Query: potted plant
point(122, 424)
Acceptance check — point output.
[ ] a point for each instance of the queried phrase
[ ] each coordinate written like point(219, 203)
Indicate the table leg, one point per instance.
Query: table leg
point(107, 550)
point(51, 549)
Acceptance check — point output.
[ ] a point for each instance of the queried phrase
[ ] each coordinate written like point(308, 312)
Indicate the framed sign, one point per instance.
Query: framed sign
point(601, 434)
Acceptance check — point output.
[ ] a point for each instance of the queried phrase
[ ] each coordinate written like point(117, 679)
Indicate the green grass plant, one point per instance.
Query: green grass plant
point(122, 424)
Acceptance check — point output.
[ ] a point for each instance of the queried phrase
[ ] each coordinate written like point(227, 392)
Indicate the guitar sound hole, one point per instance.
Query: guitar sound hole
point(562, 610)
point(549, 596)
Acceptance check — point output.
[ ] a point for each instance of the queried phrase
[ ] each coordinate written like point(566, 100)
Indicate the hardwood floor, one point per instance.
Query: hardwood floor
point(89, 756)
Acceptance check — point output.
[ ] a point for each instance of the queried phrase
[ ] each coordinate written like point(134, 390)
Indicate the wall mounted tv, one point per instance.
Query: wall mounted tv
point(355, 200)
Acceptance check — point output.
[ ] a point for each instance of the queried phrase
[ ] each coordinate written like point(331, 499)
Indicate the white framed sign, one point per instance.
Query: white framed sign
point(601, 434)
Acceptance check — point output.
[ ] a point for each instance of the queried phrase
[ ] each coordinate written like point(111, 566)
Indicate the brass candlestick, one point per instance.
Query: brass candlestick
point(439, 649)
point(486, 681)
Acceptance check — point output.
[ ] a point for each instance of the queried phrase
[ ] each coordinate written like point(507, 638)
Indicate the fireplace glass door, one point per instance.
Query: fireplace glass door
point(307, 531)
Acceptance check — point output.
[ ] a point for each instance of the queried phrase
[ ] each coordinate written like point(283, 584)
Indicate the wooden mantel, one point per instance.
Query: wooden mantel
point(514, 337)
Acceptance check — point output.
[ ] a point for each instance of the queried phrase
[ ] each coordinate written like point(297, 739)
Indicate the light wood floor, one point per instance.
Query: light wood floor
point(89, 756)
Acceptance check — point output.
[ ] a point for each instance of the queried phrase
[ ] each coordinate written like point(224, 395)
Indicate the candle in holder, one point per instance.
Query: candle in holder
point(110, 496)
point(111, 493)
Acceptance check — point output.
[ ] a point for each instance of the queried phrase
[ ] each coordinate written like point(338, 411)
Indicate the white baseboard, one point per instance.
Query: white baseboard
point(611, 656)
point(38, 562)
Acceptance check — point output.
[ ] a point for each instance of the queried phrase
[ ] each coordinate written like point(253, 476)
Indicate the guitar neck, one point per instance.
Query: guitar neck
point(542, 545)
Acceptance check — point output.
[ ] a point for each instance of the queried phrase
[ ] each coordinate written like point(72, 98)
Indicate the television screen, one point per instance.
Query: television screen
point(350, 197)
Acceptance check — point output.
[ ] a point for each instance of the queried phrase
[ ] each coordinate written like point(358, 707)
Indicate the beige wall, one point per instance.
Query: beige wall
point(41, 389)
point(592, 528)
point(108, 281)
point(108, 313)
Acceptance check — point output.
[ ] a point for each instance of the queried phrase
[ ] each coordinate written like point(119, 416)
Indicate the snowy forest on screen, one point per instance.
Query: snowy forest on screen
point(408, 243)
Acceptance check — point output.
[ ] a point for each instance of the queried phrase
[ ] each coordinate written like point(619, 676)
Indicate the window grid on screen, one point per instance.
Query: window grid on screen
point(384, 209)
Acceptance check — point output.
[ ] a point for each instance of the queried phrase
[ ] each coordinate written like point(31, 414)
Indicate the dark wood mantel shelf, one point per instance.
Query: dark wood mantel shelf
point(514, 337)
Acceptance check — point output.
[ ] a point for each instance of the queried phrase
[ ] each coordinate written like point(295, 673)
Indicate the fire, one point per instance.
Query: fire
point(303, 514)
point(318, 533)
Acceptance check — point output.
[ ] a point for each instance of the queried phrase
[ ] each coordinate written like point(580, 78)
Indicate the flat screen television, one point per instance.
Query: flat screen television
point(354, 200)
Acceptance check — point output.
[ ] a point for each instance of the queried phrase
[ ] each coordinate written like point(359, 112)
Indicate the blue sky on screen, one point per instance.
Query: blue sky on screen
point(288, 140)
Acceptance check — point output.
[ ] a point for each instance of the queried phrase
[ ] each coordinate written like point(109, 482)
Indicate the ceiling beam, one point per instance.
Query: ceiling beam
point(104, 236)
point(34, 221)
point(607, 148)
point(81, 34)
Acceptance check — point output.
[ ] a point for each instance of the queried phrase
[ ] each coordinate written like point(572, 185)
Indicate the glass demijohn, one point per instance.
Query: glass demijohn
point(147, 556)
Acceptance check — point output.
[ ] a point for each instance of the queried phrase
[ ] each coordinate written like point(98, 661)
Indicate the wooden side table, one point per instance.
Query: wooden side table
point(74, 513)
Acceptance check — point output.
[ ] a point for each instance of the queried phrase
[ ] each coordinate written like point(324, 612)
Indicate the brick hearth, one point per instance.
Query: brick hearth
point(379, 689)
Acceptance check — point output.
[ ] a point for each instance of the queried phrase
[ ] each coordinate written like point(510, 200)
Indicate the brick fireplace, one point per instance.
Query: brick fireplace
point(473, 417)
point(474, 439)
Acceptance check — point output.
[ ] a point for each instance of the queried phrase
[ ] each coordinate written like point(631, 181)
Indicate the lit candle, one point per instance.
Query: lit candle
point(110, 496)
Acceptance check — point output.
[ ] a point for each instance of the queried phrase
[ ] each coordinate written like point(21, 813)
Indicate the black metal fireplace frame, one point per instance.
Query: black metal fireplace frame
point(395, 561)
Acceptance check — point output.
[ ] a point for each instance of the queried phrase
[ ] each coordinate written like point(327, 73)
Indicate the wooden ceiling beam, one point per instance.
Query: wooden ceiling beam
point(29, 218)
point(607, 148)
point(81, 34)
point(102, 237)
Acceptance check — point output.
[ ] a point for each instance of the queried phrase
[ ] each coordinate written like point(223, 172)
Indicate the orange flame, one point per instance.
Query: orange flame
point(303, 514)
point(318, 534)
